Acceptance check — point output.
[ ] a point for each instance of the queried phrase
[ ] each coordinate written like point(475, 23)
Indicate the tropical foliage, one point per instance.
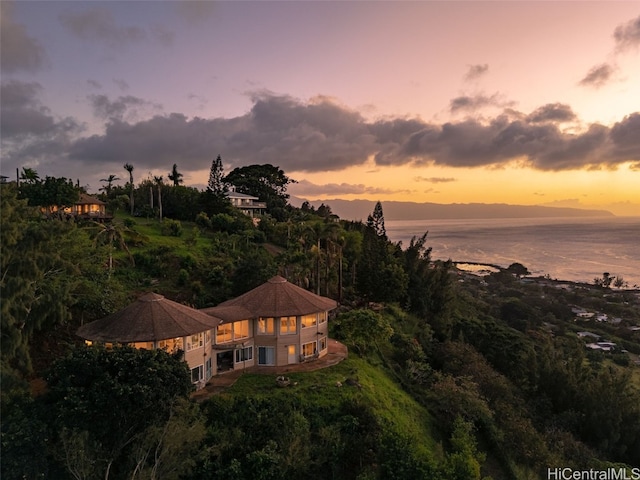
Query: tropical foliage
point(449, 375)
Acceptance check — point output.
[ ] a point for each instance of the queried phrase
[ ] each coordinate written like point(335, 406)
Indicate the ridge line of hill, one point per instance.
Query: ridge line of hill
point(395, 210)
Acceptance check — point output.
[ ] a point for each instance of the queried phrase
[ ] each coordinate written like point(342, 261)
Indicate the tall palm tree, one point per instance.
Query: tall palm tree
point(109, 186)
point(158, 182)
point(129, 168)
point(29, 175)
point(175, 176)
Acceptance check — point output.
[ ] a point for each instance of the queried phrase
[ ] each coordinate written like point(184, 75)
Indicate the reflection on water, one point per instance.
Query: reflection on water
point(576, 249)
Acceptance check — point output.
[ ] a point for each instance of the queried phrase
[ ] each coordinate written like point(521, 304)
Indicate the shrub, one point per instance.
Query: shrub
point(192, 238)
point(203, 221)
point(188, 262)
point(183, 277)
point(362, 329)
point(222, 222)
point(171, 228)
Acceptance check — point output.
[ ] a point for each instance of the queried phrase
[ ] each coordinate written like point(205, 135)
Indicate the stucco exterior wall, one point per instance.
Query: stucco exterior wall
point(277, 340)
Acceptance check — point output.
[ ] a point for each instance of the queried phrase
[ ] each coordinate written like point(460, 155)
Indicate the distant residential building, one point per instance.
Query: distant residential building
point(248, 204)
point(588, 334)
point(87, 207)
point(602, 346)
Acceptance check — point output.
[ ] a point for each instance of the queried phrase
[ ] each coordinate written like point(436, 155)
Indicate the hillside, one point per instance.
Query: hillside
point(359, 209)
point(450, 376)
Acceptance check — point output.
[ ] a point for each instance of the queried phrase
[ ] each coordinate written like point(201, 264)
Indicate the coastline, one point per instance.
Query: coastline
point(572, 249)
point(481, 269)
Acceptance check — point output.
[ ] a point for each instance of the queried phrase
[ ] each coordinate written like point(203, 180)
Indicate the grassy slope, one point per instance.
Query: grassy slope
point(150, 228)
point(394, 408)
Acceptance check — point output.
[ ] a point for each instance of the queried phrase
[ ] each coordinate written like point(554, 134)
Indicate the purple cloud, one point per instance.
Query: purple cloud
point(18, 50)
point(598, 76)
point(314, 136)
point(476, 71)
point(627, 36)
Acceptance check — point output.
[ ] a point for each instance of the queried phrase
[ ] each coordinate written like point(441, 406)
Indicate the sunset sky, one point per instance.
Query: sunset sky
point(448, 102)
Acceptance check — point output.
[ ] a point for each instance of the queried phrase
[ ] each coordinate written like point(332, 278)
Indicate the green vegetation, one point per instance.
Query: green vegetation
point(342, 413)
point(449, 376)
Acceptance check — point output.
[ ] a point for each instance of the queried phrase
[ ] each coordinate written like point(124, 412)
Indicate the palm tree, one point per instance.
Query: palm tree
point(109, 186)
point(29, 175)
point(158, 182)
point(129, 168)
point(175, 176)
point(111, 234)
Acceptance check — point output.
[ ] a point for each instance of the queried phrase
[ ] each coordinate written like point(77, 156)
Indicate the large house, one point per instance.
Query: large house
point(153, 321)
point(275, 324)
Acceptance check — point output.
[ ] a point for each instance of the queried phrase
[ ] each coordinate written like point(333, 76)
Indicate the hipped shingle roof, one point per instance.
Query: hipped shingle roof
point(86, 199)
point(230, 313)
point(151, 317)
point(279, 298)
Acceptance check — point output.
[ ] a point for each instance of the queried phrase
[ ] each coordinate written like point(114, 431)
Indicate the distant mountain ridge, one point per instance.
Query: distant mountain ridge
point(393, 210)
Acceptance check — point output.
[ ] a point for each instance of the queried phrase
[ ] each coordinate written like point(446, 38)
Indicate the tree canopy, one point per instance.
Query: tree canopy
point(40, 264)
point(214, 198)
point(376, 221)
point(103, 403)
point(266, 182)
point(50, 192)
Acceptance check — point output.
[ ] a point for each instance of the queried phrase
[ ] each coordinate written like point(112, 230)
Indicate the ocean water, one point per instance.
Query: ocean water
point(575, 249)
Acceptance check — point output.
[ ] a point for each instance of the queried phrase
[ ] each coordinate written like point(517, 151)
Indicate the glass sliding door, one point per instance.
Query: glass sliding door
point(266, 356)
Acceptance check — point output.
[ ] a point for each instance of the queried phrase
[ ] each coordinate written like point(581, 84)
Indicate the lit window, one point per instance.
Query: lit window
point(241, 329)
point(171, 345)
point(223, 333)
point(287, 325)
point(266, 326)
point(322, 317)
point(309, 320)
point(322, 344)
point(309, 349)
point(195, 341)
point(207, 336)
